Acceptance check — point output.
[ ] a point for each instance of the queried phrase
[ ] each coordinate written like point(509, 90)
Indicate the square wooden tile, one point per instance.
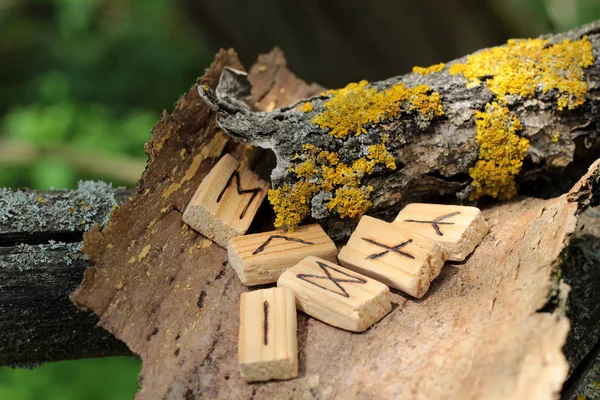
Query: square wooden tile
point(226, 201)
point(458, 228)
point(260, 258)
point(392, 255)
point(336, 295)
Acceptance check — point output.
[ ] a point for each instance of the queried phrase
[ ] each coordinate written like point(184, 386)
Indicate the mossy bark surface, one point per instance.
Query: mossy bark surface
point(433, 125)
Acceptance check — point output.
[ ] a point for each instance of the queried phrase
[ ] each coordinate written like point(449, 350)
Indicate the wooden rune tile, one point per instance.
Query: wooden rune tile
point(392, 255)
point(260, 258)
point(226, 201)
point(335, 295)
point(458, 228)
point(268, 348)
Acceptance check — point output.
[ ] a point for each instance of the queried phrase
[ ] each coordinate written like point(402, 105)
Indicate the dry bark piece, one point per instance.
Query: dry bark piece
point(260, 258)
point(458, 229)
point(226, 201)
point(394, 256)
point(476, 334)
point(336, 295)
point(268, 347)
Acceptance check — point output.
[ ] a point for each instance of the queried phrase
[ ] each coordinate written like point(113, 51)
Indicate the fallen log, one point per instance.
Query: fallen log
point(41, 263)
point(523, 115)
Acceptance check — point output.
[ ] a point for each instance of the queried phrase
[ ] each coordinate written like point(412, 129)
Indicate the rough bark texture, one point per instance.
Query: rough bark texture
point(582, 273)
point(586, 385)
point(433, 156)
point(41, 263)
point(35, 315)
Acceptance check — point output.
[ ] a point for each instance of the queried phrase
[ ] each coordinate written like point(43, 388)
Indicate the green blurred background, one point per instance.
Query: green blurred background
point(82, 82)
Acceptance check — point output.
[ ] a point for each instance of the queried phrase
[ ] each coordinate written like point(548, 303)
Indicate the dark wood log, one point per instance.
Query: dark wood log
point(41, 263)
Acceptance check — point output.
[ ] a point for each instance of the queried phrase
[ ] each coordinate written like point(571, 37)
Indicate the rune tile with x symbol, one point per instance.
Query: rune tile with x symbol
point(395, 249)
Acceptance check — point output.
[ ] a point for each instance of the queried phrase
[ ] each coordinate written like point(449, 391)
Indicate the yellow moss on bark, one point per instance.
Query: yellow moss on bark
point(291, 203)
point(351, 201)
point(428, 70)
point(352, 108)
point(307, 107)
point(523, 66)
point(501, 153)
point(321, 171)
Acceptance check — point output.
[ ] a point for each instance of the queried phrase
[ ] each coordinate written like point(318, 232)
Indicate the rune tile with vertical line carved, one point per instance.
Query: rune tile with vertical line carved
point(459, 229)
point(394, 256)
point(268, 347)
point(336, 295)
point(261, 257)
point(226, 201)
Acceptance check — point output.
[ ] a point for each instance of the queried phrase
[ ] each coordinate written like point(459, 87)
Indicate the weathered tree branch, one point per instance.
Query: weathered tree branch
point(433, 153)
point(41, 263)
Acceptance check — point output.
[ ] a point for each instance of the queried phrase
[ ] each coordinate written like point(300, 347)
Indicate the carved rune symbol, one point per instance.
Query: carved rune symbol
point(395, 249)
point(240, 191)
point(266, 322)
point(336, 281)
point(436, 222)
point(263, 246)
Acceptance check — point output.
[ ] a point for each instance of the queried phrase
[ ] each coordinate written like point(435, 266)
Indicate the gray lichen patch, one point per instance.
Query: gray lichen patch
point(57, 211)
point(24, 257)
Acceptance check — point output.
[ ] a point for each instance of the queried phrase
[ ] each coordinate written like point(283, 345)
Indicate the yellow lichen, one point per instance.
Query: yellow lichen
point(523, 66)
point(307, 107)
point(428, 70)
point(379, 153)
point(321, 171)
point(291, 203)
point(351, 201)
point(352, 108)
point(501, 153)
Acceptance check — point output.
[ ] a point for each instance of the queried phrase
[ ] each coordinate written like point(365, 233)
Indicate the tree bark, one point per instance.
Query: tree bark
point(433, 155)
point(41, 324)
point(41, 263)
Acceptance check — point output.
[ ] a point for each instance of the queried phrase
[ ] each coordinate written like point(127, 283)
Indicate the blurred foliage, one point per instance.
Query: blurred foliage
point(546, 16)
point(89, 75)
point(93, 76)
point(93, 379)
